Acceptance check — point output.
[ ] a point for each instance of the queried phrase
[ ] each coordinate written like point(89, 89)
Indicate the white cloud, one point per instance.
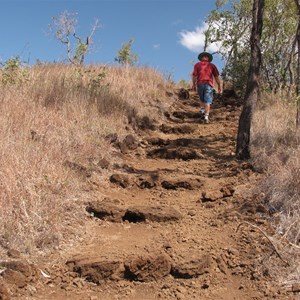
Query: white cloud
point(156, 46)
point(195, 40)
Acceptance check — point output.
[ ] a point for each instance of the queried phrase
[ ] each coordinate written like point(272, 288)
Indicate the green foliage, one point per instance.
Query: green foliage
point(90, 80)
point(278, 35)
point(125, 55)
point(80, 51)
point(13, 71)
point(220, 3)
point(231, 28)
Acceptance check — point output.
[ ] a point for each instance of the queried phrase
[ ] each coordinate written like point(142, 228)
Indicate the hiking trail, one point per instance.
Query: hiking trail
point(165, 225)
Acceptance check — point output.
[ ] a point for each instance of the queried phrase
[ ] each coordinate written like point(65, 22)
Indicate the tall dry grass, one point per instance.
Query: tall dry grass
point(276, 148)
point(53, 117)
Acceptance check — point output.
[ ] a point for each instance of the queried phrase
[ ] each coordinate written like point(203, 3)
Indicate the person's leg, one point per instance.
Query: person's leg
point(201, 91)
point(202, 109)
point(207, 108)
point(208, 98)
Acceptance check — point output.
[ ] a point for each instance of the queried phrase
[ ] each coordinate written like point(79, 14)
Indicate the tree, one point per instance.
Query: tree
point(64, 29)
point(125, 55)
point(252, 90)
point(278, 44)
point(297, 2)
point(231, 28)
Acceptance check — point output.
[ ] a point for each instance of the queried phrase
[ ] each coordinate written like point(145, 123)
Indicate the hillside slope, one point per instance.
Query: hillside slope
point(172, 221)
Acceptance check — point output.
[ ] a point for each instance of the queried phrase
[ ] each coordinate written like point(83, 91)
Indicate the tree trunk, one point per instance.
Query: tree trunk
point(291, 84)
point(298, 67)
point(252, 90)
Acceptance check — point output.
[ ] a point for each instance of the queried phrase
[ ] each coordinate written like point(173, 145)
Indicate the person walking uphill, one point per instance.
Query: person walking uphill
point(203, 75)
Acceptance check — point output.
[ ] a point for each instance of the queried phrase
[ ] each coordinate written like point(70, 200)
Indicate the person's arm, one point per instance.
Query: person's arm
point(218, 81)
point(194, 82)
point(217, 78)
point(194, 78)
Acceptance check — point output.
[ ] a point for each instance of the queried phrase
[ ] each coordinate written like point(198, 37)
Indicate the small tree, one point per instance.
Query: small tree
point(125, 55)
point(64, 30)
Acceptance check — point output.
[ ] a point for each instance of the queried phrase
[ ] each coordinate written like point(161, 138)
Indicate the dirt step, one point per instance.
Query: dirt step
point(175, 153)
point(115, 211)
point(184, 129)
point(144, 181)
point(187, 115)
point(192, 267)
point(168, 179)
point(181, 142)
point(174, 184)
point(142, 267)
point(154, 214)
point(191, 102)
point(119, 251)
point(132, 170)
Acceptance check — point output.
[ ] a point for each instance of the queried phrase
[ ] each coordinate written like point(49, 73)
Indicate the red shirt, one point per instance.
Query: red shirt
point(204, 71)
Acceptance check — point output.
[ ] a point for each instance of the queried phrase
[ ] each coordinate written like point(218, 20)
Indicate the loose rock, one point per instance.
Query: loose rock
point(211, 195)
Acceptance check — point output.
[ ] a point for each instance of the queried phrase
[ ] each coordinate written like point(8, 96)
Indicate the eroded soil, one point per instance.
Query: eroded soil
point(170, 222)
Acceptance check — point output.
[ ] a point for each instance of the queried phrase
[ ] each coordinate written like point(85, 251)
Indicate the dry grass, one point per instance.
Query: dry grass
point(53, 118)
point(275, 148)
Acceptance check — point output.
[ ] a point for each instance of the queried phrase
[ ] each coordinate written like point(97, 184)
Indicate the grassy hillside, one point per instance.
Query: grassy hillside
point(56, 124)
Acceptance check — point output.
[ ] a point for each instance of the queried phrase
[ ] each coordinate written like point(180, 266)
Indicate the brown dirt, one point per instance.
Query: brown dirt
point(165, 223)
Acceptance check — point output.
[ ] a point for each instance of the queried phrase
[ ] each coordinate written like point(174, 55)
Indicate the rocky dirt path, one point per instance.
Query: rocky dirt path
point(166, 227)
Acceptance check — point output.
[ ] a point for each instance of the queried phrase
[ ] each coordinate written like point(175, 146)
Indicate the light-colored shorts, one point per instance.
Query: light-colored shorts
point(206, 93)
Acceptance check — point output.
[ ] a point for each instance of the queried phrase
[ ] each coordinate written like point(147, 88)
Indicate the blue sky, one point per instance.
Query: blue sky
point(167, 33)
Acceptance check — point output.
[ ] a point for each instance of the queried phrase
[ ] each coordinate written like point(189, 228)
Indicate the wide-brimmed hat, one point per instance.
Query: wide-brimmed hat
point(210, 57)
